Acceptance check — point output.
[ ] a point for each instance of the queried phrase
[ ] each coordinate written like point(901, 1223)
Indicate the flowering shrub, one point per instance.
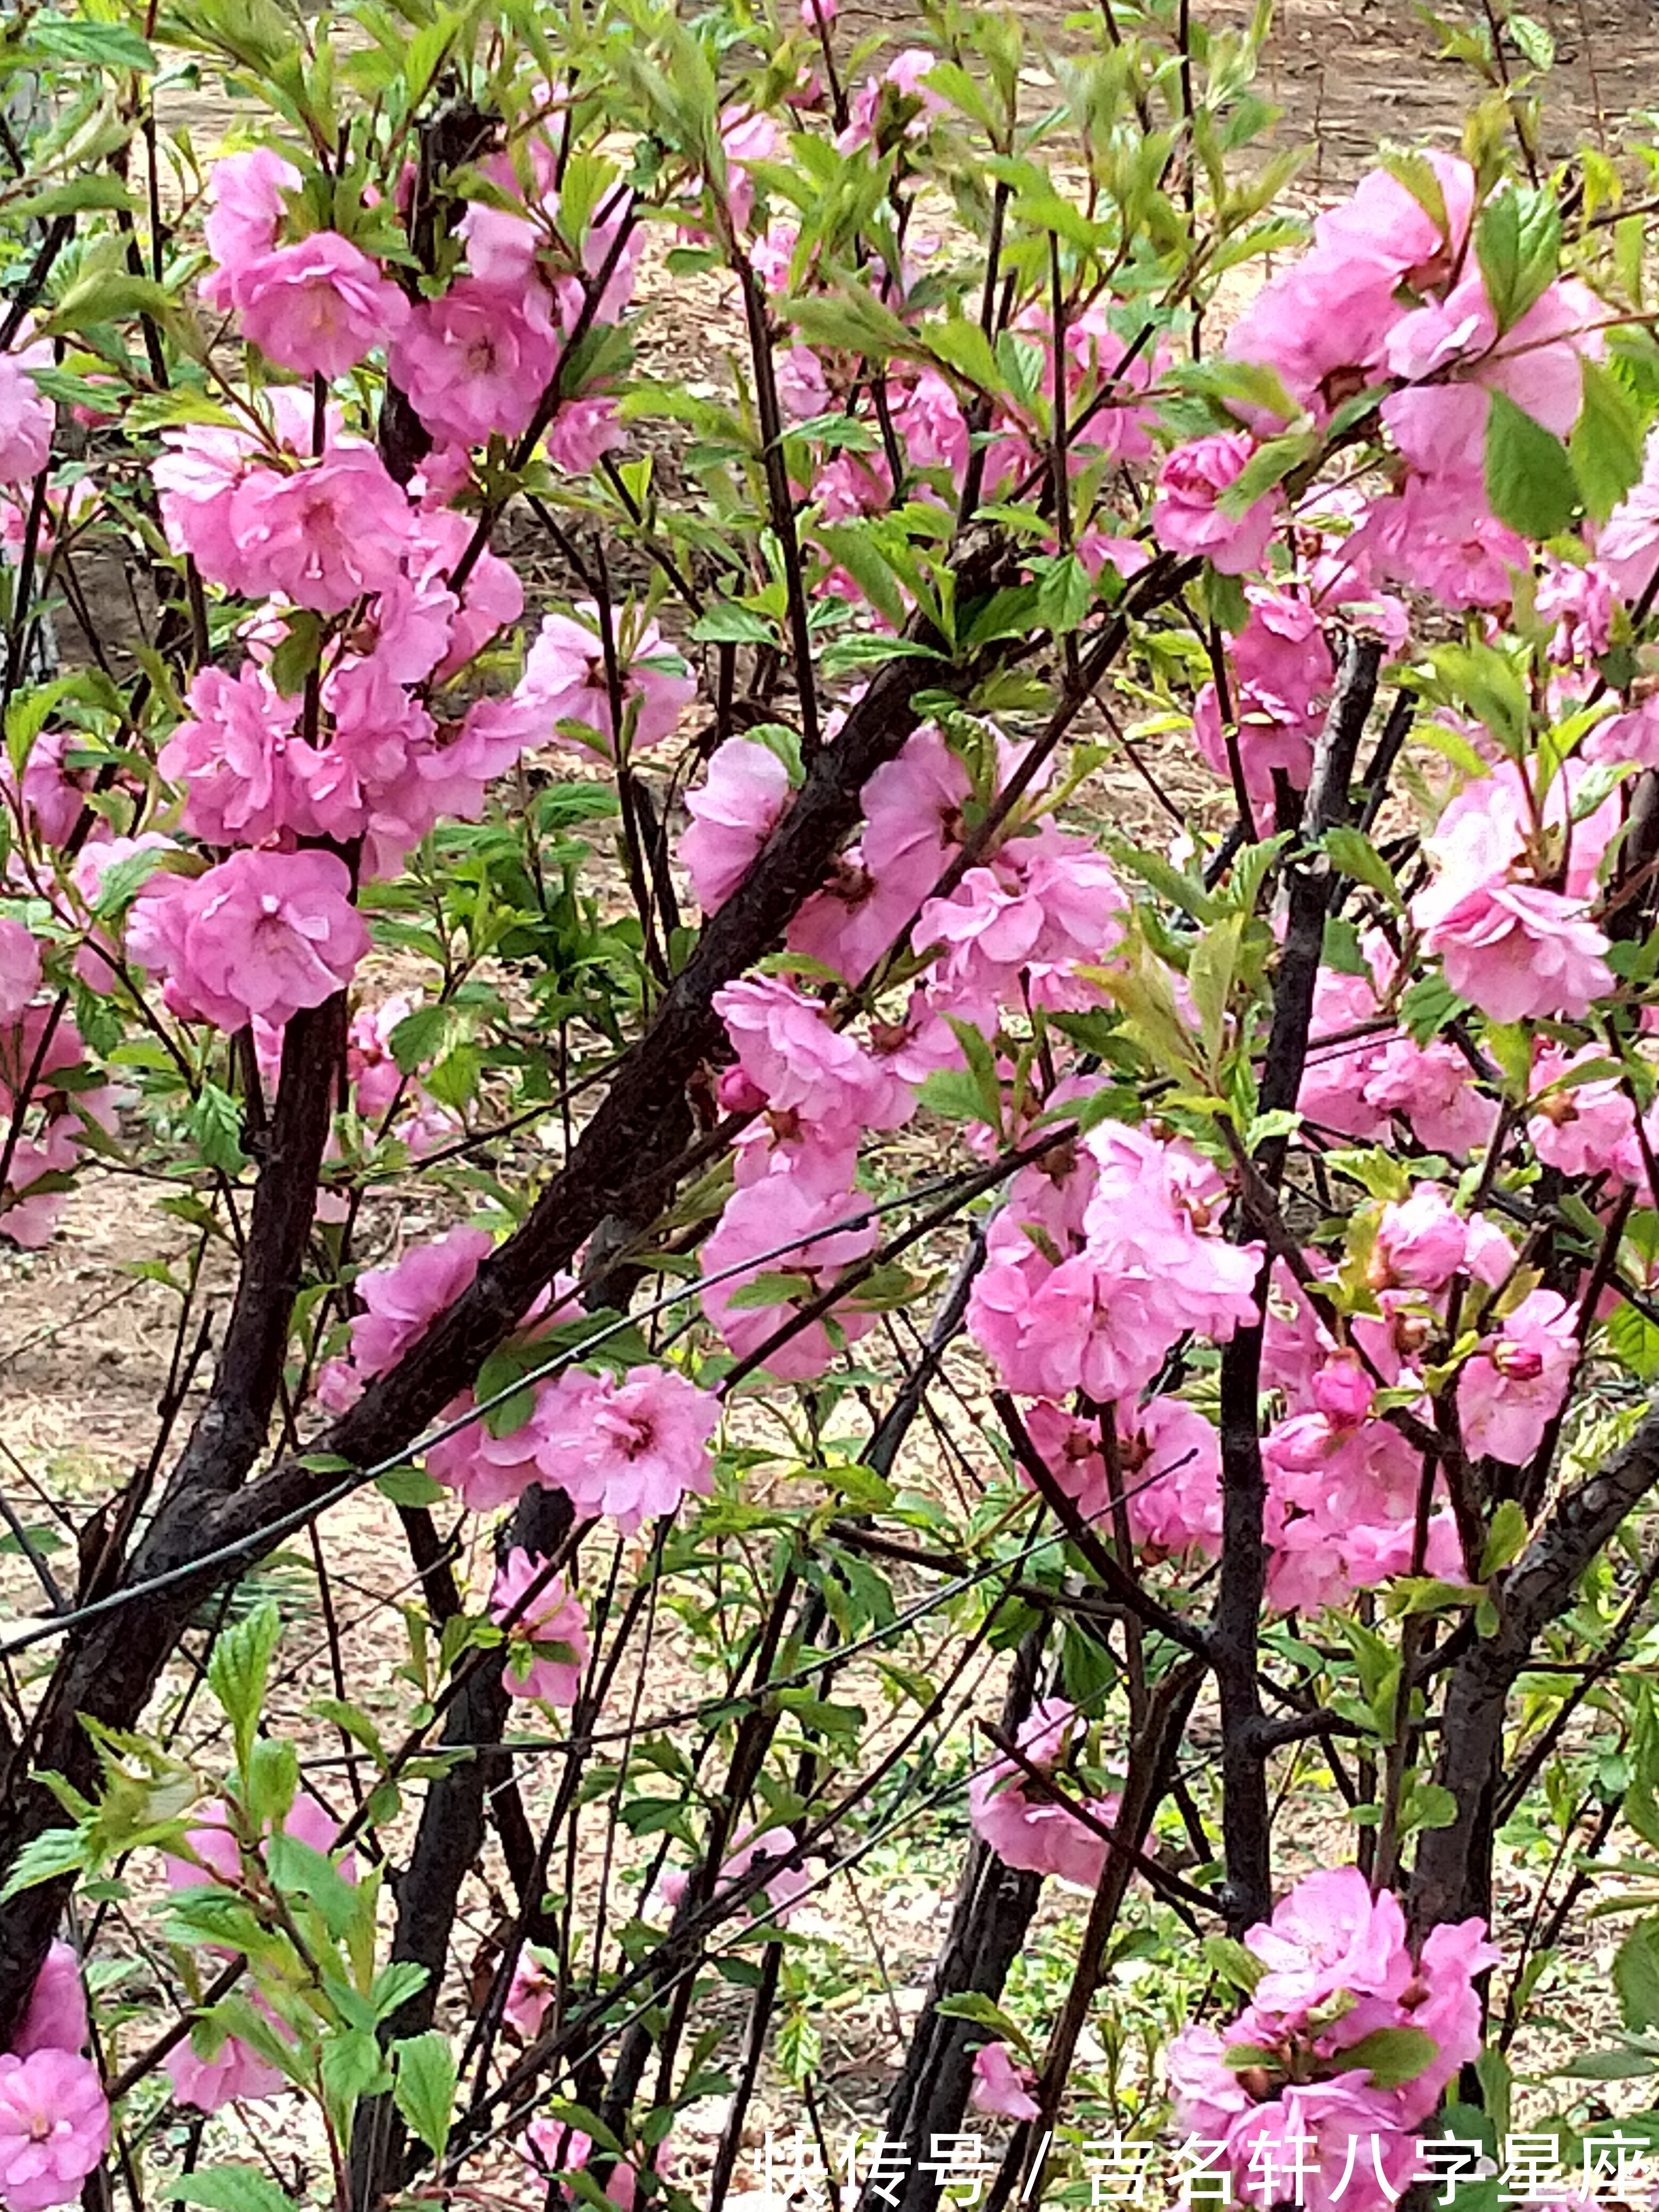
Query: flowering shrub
point(604, 904)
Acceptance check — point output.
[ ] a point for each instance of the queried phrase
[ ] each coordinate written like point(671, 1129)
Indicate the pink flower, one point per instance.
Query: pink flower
point(1513, 1387)
point(26, 418)
point(247, 191)
point(547, 1639)
point(235, 2073)
point(732, 815)
point(1186, 517)
point(583, 432)
point(564, 681)
point(54, 2128)
point(913, 808)
point(752, 1849)
point(1171, 1460)
point(1339, 2146)
point(803, 1065)
point(1627, 543)
point(631, 1449)
point(478, 359)
point(532, 1990)
point(486, 1471)
point(930, 419)
point(20, 969)
point(782, 1210)
point(1330, 1937)
point(1518, 952)
point(1441, 426)
point(56, 2016)
point(318, 306)
point(260, 934)
point(324, 536)
point(1001, 2085)
point(231, 757)
point(1028, 1830)
point(1420, 1242)
point(402, 1301)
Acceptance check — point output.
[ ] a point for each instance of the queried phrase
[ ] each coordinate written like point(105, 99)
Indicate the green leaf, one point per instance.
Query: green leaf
point(1529, 479)
point(1606, 444)
point(297, 655)
point(410, 1486)
point(423, 2087)
point(105, 296)
point(1391, 2055)
point(237, 1672)
point(1636, 1976)
point(1237, 1966)
point(215, 1123)
point(110, 46)
point(1507, 1535)
point(1353, 854)
point(1517, 242)
point(229, 2189)
point(733, 625)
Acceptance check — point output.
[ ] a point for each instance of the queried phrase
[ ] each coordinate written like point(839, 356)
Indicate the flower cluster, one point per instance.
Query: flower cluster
point(1337, 1984)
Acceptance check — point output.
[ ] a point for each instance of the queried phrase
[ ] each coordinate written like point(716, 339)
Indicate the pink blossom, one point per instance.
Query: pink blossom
point(247, 191)
point(632, 1448)
point(1330, 1937)
point(20, 969)
point(854, 920)
point(198, 474)
point(1516, 952)
point(752, 1849)
point(231, 757)
point(54, 2127)
point(930, 419)
point(1313, 2129)
point(1420, 1242)
point(1582, 1128)
point(1430, 1086)
point(548, 1641)
point(583, 432)
point(55, 2019)
point(786, 1210)
point(261, 934)
point(1171, 1458)
point(745, 139)
point(477, 359)
point(1029, 1830)
point(1441, 426)
point(1150, 1266)
point(318, 307)
point(551, 2147)
point(376, 1080)
point(1185, 517)
point(26, 417)
point(899, 103)
point(1627, 543)
point(401, 1302)
point(1001, 2086)
point(1513, 1387)
point(487, 1471)
point(324, 536)
point(802, 1064)
point(732, 814)
point(235, 2073)
point(913, 808)
point(564, 681)
point(532, 1990)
